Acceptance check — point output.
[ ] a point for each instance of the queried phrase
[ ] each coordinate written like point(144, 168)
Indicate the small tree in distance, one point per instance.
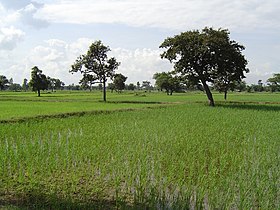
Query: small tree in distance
point(119, 82)
point(131, 86)
point(38, 80)
point(96, 63)
point(25, 84)
point(167, 81)
point(146, 85)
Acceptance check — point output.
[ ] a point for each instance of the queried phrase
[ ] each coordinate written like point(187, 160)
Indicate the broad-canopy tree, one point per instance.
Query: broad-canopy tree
point(231, 65)
point(168, 82)
point(38, 80)
point(3, 82)
point(274, 82)
point(119, 82)
point(55, 84)
point(96, 63)
point(205, 56)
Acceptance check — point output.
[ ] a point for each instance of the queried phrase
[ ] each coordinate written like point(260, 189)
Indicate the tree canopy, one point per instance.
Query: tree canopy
point(38, 80)
point(3, 82)
point(55, 84)
point(87, 81)
point(96, 63)
point(119, 82)
point(274, 82)
point(205, 57)
point(167, 81)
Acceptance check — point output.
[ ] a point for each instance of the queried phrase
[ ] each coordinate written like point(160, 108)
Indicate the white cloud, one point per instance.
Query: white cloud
point(21, 11)
point(140, 64)
point(9, 37)
point(55, 58)
point(27, 16)
point(175, 14)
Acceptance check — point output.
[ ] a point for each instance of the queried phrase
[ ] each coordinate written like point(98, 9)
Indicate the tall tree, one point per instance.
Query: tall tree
point(96, 63)
point(119, 82)
point(3, 82)
point(201, 56)
point(38, 80)
point(25, 84)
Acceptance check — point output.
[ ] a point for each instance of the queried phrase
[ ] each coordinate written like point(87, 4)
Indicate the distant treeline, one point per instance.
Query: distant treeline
point(271, 85)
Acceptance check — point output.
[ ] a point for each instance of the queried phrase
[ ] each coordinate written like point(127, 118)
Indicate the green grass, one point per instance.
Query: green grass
point(18, 106)
point(19, 110)
point(174, 157)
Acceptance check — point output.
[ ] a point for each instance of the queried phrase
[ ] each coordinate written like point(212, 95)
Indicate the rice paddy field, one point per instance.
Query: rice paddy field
point(68, 150)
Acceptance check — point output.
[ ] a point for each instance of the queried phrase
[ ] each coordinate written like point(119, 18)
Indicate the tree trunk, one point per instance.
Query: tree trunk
point(104, 90)
point(39, 93)
point(208, 93)
point(225, 95)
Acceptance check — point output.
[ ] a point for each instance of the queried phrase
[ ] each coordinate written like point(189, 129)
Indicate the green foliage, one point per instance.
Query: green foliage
point(146, 85)
point(274, 83)
point(3, 82)
point(168, 82)
point(87, 81)
point(97, 64)
point(119, 82)
point(275, 79)
point(25, 84)
point(15, 87)
point(131, 86)
point(55, 84)
point(38, 80)
point(206, 56)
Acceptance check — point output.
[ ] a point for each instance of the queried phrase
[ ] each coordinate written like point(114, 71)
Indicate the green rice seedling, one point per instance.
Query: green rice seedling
point(177, 157)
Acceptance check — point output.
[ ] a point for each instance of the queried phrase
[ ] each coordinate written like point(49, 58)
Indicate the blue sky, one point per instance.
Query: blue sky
point(52, 33)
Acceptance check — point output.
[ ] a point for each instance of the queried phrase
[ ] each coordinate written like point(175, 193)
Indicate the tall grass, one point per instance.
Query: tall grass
point(178, 157)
